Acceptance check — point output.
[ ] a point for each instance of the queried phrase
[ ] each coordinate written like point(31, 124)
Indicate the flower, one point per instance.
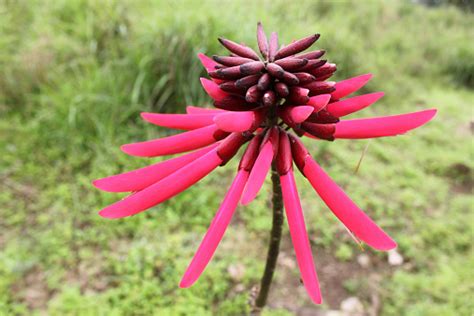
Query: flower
point(259, 100)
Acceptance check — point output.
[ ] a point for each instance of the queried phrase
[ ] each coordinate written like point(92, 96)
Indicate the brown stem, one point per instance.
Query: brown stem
point(274, 245)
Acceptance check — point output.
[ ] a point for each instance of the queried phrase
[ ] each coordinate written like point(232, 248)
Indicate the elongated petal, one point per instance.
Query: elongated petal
point(213, 89)
point(175, 144)
point(348, 86)
point(237, 121)
point(258, 173)
point(166, 188)
point(295, 114)
point(351, 105)
point(199, 110)
point(139, 179)
point(207, 62)
point(299, 236)
point(179, 121)
point(346, 210)
point(382, 126)
point(319, 101)
point(216, 230)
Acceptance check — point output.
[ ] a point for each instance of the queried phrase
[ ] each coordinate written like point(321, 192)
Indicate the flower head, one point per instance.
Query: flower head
point(267, 101)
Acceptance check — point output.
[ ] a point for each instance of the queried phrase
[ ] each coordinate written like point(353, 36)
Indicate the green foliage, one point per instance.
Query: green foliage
point(75, 76)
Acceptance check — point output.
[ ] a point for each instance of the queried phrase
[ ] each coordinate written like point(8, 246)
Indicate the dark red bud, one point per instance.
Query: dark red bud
point(275, 70)
point(262, 40)
point(282, 89)
point(233, 103)
point(273, 46)
point(324, 77)
point(320, 87)
point(253, 95)
point(298, 96)
point(304, 77)
point(284, 160)
point(324, 69)
point(312, 64)
point(264, 82)
point(251, 153)
point(290, 64)
point(238, 49)
point(231, 61)
point(229, 86)
point(323, 117)
point(231, 72)
point(298, 151)
point(297, 129)
point(251, 68)
point(322, 131)
point(312, 55)
point(269, 98)
point(289, 78)
point(230, 146)
point(297, 46)
point(247, 82)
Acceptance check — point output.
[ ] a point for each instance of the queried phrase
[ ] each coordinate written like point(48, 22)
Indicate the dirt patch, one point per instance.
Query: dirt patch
point(288, 292)
point(33, 290)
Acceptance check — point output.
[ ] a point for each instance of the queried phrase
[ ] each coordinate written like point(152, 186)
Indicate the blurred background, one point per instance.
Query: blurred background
point(75, 76)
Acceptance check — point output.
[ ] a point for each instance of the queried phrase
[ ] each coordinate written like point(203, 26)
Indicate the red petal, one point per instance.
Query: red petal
point(382, 126)
point(164, 189)
point(258, 173)
point(348, 86)
point(346, 210)
point(299, 236)
point(198, 110)
point(215, 232)
point(351, 105)
point(179, 121)
point(213, 89)
point(139, 179)
point(174, 144)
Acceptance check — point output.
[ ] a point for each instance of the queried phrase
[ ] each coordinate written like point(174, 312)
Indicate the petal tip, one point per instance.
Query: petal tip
point(185, 283)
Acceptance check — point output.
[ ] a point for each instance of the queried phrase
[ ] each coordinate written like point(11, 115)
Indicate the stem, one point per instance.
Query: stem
point(274, 245)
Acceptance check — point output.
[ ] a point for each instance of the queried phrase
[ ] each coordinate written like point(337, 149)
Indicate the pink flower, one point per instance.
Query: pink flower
point(259, 100)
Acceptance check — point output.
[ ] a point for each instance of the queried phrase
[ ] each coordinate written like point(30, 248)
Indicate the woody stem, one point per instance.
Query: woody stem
point(274, 245)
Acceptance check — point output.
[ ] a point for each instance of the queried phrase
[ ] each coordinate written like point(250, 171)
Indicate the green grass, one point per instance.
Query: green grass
point(75, 76)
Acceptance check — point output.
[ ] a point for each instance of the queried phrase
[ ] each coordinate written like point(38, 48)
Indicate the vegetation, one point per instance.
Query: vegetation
point(75, 76)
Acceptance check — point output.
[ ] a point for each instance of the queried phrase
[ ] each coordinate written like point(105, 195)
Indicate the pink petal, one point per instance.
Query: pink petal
point(210, 65)
point(216, 230)
point(207, 62)
point(198, 110)
point(139, 179)
point(295, 114)
point(299, 236)
point(179, 121)
point(319, 101)
point(348, 86)
point(258, 173)
point(213, 89)
point(382, 126)
point(173, 144)
point(235, 121)
point(166, 188)
point(346, 210)
point(351, 105)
